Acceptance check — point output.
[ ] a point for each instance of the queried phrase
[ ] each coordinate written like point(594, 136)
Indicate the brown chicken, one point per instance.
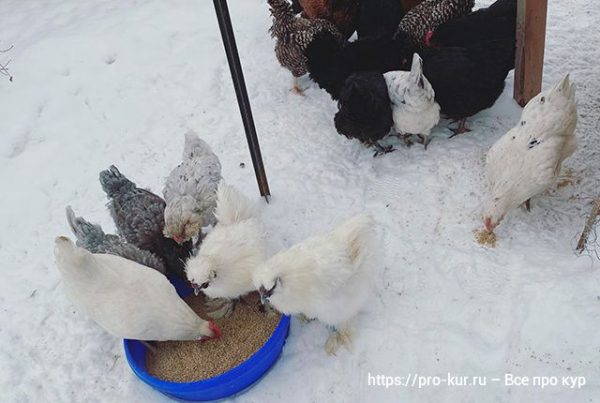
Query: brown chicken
point(343, 13)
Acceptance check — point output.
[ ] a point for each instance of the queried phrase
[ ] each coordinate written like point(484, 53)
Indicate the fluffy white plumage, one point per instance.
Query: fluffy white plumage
point(527, 160)
point(224, 264)
point(327, 277)
point(190, 190)
point(413, 101)
point(125, 298)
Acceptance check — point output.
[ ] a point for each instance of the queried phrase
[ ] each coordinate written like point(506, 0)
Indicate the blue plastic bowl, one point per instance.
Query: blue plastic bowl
point(221, 386)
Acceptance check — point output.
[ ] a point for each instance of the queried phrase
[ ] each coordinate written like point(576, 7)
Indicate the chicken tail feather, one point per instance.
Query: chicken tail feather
point(113, 181)
point(232, 206)
point(358, 233)
point(81, 228)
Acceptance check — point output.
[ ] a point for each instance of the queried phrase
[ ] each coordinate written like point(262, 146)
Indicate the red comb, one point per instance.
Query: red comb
point(428, 38)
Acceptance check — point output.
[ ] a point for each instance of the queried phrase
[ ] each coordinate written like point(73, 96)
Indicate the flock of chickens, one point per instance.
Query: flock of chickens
point(414, 62)
point(407, 68)
point(121, 281)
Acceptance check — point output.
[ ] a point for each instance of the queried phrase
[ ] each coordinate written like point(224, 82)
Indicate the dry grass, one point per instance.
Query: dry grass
point(244, 332)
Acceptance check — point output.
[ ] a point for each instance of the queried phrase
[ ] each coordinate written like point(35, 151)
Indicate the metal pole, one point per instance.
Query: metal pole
point(242, 95)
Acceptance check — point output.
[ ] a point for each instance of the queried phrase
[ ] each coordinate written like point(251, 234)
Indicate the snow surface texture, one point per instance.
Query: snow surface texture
point(102, 82)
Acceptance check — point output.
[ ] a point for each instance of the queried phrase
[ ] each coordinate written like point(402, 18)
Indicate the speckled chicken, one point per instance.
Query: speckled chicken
point(191, 191)
point(527, 160)
point(293, 34)
point(139, 217)
point(414, 109)
point(429, 15)
point(92, 238)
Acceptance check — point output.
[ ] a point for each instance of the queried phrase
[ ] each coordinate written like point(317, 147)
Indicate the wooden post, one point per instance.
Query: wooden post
point(531, 37)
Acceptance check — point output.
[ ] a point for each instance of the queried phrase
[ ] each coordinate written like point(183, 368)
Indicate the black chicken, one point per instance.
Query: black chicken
point(378, 18)
point(468, 79)
point(495, 22)
point(470, 60)
point(365, 111)
point(330, 64)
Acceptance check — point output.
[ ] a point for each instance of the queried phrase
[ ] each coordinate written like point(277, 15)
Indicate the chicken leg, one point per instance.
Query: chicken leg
point(296, 89)
point(462, 127)
point(338, 337)
point(424, 140)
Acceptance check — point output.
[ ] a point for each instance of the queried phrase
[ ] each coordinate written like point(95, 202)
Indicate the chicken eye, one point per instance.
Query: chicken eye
point(212, 275)
point(542, 100)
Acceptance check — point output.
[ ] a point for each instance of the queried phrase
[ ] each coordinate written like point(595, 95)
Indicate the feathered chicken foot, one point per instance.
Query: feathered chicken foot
point(220, 307)
point(462, 128)
point(296, 89)
point(338, 337)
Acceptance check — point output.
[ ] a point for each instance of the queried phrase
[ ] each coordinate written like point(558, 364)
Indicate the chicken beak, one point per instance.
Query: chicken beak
point(198, 288)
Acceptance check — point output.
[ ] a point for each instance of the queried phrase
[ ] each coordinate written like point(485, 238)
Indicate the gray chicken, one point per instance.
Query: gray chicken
point(139, 217)
point(92, 238)
point(191, 191)
point(293, 34)
point(428, 15)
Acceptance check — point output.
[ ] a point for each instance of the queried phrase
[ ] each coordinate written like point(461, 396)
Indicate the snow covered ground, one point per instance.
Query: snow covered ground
point(102, 82)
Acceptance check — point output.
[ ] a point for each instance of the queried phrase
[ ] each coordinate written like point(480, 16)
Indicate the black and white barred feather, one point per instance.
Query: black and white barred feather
point(429, 15)
point(293, 34)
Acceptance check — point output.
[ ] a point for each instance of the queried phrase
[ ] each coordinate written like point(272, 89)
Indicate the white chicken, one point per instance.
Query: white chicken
point(125, 298)
point(326, 277)
point(223, 267)
point(414, 109)
point(190, 191)
point(527, 160)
